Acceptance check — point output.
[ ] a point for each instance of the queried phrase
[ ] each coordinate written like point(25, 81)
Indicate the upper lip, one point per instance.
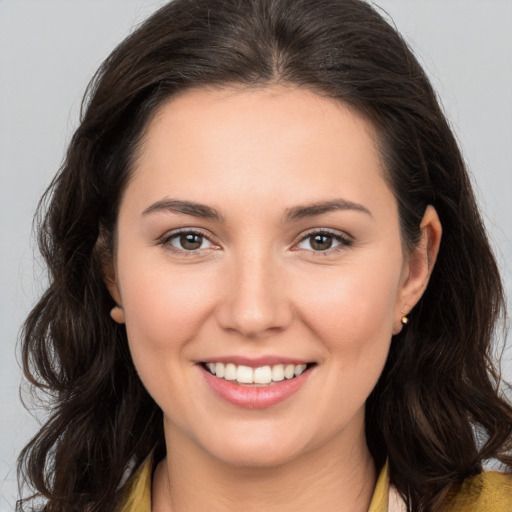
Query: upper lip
point(256, 362)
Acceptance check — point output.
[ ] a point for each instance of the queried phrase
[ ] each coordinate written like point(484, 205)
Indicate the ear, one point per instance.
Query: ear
point(418, 266)
point(109, 273)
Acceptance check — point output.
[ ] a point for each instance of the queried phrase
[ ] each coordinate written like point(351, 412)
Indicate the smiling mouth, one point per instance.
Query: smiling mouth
point(260, 376)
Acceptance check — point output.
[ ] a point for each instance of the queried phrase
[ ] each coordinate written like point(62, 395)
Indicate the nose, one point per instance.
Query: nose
point(253, 294)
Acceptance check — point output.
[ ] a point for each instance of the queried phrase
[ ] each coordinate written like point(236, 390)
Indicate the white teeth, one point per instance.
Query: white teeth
point(219, 370)
point(299, 369)
point(230, 372)
point(244, 374)
point(261, 375)
point(289, 371)
point(278, 372)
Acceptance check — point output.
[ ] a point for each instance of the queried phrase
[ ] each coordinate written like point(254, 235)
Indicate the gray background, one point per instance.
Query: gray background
point(48, 51)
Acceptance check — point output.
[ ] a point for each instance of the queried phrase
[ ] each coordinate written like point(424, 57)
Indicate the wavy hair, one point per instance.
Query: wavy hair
point(436, 413)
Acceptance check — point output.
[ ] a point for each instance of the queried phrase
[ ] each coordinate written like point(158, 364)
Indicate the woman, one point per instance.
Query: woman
point(268, 273)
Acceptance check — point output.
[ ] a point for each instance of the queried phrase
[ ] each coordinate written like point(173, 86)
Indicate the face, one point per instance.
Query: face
point(258, 239)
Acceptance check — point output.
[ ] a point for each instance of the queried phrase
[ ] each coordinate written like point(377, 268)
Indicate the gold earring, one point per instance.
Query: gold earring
point(405, 319)
point(117, 314)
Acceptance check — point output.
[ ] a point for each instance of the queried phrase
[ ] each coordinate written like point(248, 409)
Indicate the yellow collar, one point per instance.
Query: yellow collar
point(379, 501)
point(137, 494)
point(487, 492)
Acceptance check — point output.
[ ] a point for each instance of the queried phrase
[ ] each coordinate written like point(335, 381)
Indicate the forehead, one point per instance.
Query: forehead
point(261, 111)
point(277, 142)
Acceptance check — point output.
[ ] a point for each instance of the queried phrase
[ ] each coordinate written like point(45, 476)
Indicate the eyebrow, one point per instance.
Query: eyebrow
point(185, 207)
point(291, 214)
point(312, 210)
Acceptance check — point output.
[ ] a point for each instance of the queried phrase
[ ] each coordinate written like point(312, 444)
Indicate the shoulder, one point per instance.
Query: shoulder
point(489, 491)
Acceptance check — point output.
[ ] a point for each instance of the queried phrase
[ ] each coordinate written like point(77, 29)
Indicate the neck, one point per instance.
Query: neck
point(336, 477)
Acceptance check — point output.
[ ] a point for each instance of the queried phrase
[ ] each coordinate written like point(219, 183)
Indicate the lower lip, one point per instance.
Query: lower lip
point(255, 397)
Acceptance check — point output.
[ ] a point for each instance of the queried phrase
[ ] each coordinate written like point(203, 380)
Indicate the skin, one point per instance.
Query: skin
point(257, 286)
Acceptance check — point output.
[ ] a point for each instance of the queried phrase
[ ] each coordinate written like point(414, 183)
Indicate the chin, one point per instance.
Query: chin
point(257, 458)
point(261, 450)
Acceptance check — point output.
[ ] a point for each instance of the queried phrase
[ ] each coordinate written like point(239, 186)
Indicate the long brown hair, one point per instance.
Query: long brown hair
point(436, 413)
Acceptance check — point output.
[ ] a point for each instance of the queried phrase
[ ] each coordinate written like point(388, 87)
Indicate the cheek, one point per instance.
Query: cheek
point(163, 309)
point(352, 318)
point(164, 313)
point(350, 308)
point(352, 314)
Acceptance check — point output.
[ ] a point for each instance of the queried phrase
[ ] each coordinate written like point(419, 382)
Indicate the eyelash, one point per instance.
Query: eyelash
point(344, 241)
point(166, 241)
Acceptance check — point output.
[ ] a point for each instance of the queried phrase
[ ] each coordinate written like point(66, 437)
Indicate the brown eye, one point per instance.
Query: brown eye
point(324, 241)
point(187, 241)
point(321, 242)
point(190, 241)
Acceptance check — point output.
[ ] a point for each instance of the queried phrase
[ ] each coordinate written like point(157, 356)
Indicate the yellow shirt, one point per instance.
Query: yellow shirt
point(488, 492)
